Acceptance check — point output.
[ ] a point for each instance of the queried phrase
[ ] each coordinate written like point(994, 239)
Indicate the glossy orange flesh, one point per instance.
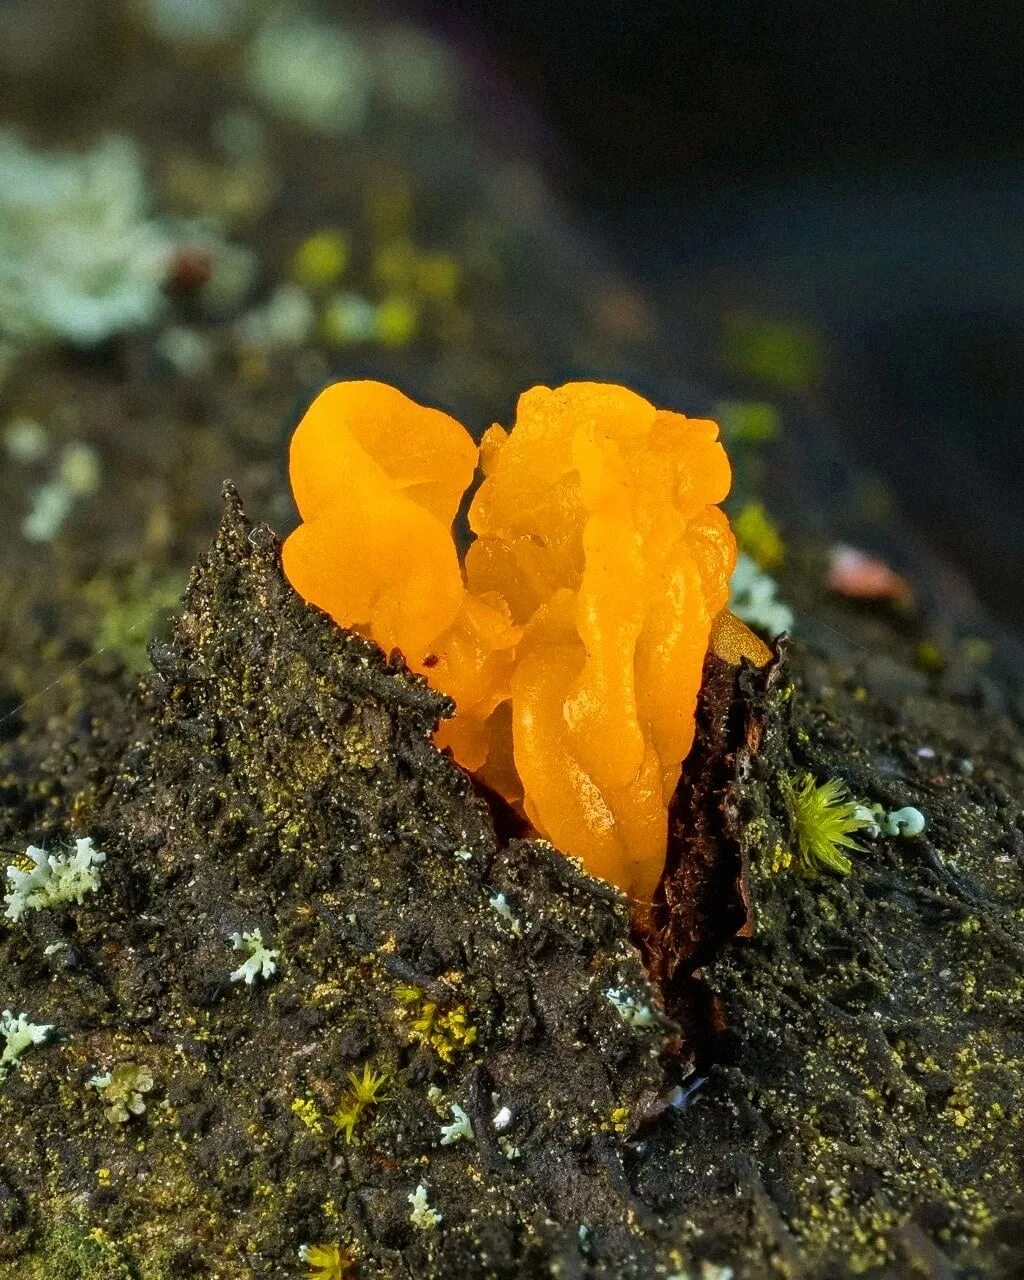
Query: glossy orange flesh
point(573, 636)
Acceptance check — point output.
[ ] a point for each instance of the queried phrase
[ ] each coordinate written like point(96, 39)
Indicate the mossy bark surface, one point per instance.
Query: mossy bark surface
point(837, 1092)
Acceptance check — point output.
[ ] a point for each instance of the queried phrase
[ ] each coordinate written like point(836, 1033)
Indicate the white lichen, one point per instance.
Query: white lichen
point(502, 1119)
point(422, 1217)
point(80, 258)
point(629, 1008)
point(25, 441)
point(188, 351)
point(499, 904)
point(18, 1034)
point(53, 880)
point(193, 22)
point(907, 821)
point(460, 1128)
point(417, 72)
point(752, 597)
point(261, 961)
point(313, 72)
point(349, 318)
point(123, 1090)
point(77, 476)
point(286, 320)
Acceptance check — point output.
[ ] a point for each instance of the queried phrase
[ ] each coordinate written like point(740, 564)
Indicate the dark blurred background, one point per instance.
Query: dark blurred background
point(806, 212)
point(852, 173)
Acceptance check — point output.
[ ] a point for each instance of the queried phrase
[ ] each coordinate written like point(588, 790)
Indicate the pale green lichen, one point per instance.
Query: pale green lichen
point(313, 72)
point(629, 1009)
point(261, 961)
point(422, 1217)
point(80, 259)
point(460, 1129)
point(123, 1089)
point(18, 1034)
point(907, 821)
point(53, 880)
point(77, 475)
point(499, 904)
point(752, 597)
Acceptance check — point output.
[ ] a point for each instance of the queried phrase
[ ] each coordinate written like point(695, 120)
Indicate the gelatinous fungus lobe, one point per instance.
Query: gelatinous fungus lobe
point(573, 637)
point(596, 520)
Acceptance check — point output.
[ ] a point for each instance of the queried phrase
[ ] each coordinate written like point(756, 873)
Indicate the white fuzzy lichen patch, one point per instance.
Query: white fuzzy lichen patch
point(460, 1128)
point(261, 961)
point(752, 597)
point(80, 259)
point(629, 1009)
point(25, 441)
point(17, 1035)
point(286, 320)
point(422, 1217)
point(53, 880)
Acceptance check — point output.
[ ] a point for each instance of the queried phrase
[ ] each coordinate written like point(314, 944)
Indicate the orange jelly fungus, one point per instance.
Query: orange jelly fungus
point(573, 636)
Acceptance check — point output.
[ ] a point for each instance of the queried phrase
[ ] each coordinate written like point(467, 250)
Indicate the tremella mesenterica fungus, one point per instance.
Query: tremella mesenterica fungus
point(572, 637)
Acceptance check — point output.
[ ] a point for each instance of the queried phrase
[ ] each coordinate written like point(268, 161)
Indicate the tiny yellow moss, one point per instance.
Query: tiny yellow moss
point(448, 1033)
point(398, 319)
point(364, 1092)
point(326, 1261)
point(305, 1109)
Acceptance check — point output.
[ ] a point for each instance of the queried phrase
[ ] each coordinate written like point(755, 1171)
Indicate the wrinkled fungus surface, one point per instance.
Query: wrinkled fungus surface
point(572, 636)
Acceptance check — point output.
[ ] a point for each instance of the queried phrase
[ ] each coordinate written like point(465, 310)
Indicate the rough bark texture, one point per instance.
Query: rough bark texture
point(858, 1102)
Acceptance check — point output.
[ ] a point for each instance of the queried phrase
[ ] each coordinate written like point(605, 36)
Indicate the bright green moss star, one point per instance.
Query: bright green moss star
point(823, 817)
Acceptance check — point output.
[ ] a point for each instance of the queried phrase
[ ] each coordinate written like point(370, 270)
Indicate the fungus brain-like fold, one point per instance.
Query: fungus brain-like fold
point(572, 635)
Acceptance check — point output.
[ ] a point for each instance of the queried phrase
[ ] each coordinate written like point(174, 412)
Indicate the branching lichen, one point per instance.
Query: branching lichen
point(752, 597)
point(261, 962)
point(629, 1008)
point(460, 1128)
point(79, 257)
point(423, 1217)
point(18, 1034)
point(53, 879)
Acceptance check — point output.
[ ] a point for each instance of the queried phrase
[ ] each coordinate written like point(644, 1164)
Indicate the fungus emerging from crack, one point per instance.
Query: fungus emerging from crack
point(573, 633)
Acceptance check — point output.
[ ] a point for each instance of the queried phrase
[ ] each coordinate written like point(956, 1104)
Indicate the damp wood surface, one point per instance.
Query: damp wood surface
point(833, 1084)
point(858, 1056)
